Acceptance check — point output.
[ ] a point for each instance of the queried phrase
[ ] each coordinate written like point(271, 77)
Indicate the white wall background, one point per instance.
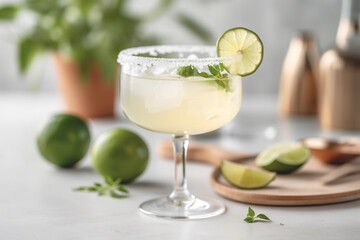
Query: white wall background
point(275, 21)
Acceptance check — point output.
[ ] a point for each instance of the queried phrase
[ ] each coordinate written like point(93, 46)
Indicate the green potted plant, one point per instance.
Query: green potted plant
point(84, 37)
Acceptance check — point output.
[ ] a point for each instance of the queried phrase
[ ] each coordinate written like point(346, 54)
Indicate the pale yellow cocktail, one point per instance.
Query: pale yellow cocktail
point(175, 105)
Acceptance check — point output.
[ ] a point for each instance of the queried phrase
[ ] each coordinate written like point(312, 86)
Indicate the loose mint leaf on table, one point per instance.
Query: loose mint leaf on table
point(251, 212)
point(122, 189)
point(263, 216)
point(215, 70)
point(251, 218)
point(86, 189)
point(111, 188)
point(114, 194)
point(109, 181)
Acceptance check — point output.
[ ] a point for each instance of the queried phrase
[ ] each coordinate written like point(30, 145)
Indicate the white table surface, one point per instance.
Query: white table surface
point(37, 201)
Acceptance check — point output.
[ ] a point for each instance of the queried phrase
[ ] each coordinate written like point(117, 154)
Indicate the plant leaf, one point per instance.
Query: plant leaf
point(27, 51)
point(116, 182)
point(251, 212)
point(220, 83)
point(109, 180)
point(205, 75)
point(115, 195)
point(102, 192)
point(263, 216)
point(8, 12)
point(110, 190)
point(194, 27)
point(249, 219)
point(86, 189)
point(85, 5)
point(105, 59)
point(42, 6)
point(213, 70)
point(222, 67)
point(217, 68)
point(159, 9)
point(122, 189)
point(187, 71)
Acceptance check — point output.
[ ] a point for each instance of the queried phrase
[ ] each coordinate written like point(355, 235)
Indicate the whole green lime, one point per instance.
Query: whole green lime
point(64, 140)
point(120, 153)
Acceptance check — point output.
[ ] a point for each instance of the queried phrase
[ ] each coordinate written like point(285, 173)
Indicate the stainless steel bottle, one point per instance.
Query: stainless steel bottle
point(299, 76)
point(339, 85)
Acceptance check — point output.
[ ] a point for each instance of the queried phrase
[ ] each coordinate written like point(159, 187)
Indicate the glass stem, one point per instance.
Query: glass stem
point(180, 195)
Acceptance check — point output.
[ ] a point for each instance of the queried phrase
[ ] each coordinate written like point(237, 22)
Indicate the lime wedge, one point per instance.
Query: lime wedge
point(283, 158)
point(245, 177)
point(247, 48)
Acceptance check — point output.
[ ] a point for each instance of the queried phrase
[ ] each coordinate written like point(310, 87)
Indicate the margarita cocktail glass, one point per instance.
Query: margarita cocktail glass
point(172, 90)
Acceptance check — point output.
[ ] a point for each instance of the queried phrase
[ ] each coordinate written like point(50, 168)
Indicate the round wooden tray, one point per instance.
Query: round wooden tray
point(304, 187)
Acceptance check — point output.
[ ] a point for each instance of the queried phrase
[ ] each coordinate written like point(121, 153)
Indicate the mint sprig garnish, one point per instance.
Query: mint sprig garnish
point(111, 188)
point(251, 218)
point(216, 70)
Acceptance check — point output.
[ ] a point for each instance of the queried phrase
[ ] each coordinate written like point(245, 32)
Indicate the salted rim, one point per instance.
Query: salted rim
point(127, 56)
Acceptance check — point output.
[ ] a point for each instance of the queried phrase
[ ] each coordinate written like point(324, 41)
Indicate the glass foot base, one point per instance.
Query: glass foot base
point(164, 207)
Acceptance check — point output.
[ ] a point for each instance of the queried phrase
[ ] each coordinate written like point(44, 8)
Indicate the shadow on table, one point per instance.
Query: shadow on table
point(153, 188)
point(150, 184)
point(76, 171)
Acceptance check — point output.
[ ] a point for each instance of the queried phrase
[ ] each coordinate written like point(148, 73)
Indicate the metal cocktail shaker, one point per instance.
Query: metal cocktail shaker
point(339, 74)
point(299, 76)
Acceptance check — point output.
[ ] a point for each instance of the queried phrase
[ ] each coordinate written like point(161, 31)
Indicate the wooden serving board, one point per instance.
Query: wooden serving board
point(303, 187)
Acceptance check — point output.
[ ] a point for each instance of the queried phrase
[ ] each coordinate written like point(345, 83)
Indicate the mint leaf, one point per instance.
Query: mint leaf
point(109, 180)
point(116, 195)
point(187, 71)
point(251, 212)
point(101, 192)
point(222, 67)
point(263, 216)
point(122, 189)
point(204, 75)
point(116, 182)
point(250, 218)
point(213, 70)
point(220, 79)
point(221, 83)
point(111, 188)
point(86, 189)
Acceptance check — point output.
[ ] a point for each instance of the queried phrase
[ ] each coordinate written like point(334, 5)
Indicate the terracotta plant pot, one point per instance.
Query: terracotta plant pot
point(90, 98)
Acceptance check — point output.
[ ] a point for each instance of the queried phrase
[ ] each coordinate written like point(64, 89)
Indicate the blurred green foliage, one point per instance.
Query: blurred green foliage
point(87, 31)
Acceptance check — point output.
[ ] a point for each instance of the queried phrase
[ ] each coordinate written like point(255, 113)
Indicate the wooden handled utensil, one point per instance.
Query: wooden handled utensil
point(202, 153)
point(340, 172)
